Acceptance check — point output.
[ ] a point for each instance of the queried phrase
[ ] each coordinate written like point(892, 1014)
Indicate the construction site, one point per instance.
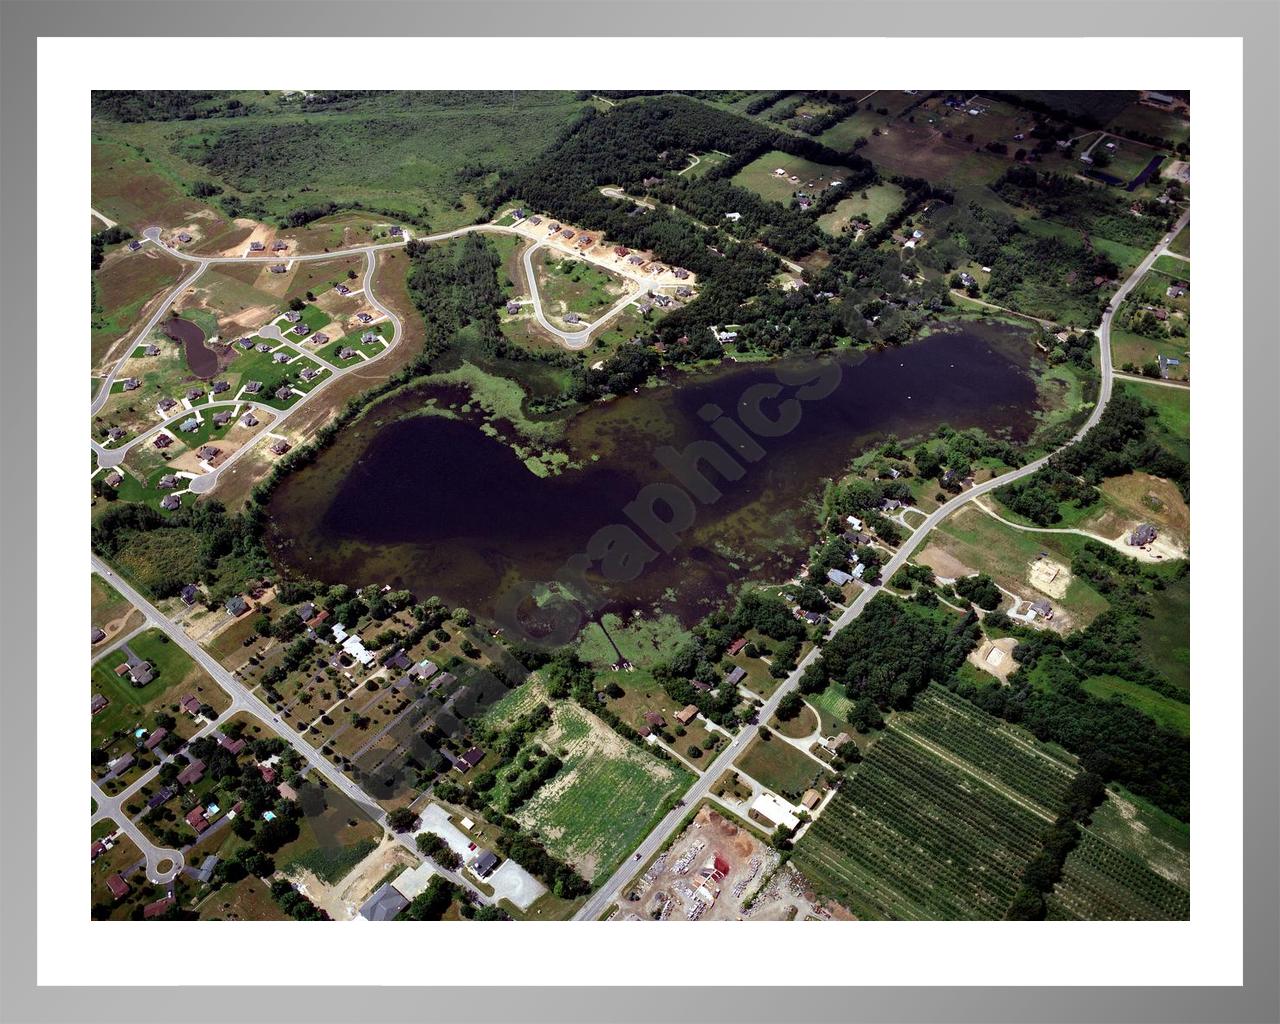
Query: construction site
point(717, 870)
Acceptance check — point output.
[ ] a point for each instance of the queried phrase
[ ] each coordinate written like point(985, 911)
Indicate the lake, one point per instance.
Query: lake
point(436, 505)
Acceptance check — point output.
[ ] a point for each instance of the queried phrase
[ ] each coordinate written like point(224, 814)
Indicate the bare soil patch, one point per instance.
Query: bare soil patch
point(995, 657)
point(943, 563)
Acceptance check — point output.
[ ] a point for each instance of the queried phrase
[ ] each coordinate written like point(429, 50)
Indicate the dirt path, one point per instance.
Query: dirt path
point(1160, 550)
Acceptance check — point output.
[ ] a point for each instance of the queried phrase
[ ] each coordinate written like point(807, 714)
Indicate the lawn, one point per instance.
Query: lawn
point(759, 176)
point(805, 723)
point(175, 676)
point(833, 706)
point(608, 795)
point(779, 766)
point(1182, 244)
point(335, 835)
point(1135, 350)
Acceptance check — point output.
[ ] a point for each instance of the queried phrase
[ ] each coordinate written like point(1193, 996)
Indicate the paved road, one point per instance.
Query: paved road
point(244, 699)
point(595, 906)
point(580, 338)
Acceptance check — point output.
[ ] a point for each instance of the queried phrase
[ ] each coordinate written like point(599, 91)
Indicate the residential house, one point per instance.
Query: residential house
point(151, 350)
point(280, 357)
point(279, 245)
point(197, 820)
point(165, 404)
point(320, 338)
point(347, 353)
point(162, 440)
point(293, 316)
point(736, 676)
point(192, 773)
point(365, 318)
point(680, 274)
point(469, 760)
point(234, 747)
point(280, 446)
point(122, 764)
point(195, 394)
point(257, 246)
point(158, 907)
point(342, 289)
point(130, 384)
point(513, 307)
point(114, 479)
point(237, 606)
point(737, 645)
point(301, 330)
point(687, 714)
point(208, 453)
point(384, 904)
point(253, 387)
point(190, 705)
point(155, 739)
point(839, 577)
point(135, 245)
point(98, 703)
point(286, 791)
point(1142, 535)
point(169, 482)
point(189, 425)
point(1042, 608)
point(118, 886)
point(170, 502)
point(655, 719)
point(249, 420)
point(283, 394)
point(183, 237)
point(811, 799)
point(221, 419)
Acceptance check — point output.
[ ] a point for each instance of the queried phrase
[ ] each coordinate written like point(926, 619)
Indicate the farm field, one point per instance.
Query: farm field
point(1006, 758)
point(777, 765)
point(1135, 826)
point(833, 706)
point(911, 836)
point(608, 795)
point(1103, 883)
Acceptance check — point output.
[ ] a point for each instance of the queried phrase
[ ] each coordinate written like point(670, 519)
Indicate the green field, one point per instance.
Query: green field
point(569, 285)
point(880, 201)
point(329, 145)
point(107, 603)
point(813, 177)
point(643, 641)
point(1166, 636)
point(1173, 413)
point(1173, 715)
point(1172, 266)
point(986, 545)
point(833, 707)
point(1128, 348)
point(1160, 840)
point(1182, 244)
point(1101, 882)
point(779, 766)
point(175, 675)
point(605, 799)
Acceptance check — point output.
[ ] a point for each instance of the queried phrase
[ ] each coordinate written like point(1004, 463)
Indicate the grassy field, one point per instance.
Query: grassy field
point(880, 201)
point(985, 545)
point(124, 284)
point(1173, 715)
point(804, 724)
point(782, 768)
point(132, 706)
point(1182, 244)
point(569, 285)
point(833, 706)
point(329, 151)
point(759, 177)
point(1165, 124)
point(335, 835)
point(246, 900)
point(1173, 413)
point(107, 603)
point(605, 799)
point(643, 641)
point(1134, 349)
point(1166, 637)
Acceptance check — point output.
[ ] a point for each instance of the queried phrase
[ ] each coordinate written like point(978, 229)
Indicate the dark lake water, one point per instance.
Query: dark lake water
point(201, 360)
point(435, 505)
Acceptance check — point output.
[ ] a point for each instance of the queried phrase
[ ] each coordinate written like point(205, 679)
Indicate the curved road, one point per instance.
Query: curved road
point(606, 894)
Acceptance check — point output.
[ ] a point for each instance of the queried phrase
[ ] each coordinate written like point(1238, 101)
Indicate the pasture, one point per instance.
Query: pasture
point(872, 204)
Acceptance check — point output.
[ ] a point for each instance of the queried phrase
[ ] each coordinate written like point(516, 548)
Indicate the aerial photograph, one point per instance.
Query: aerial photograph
point(587, 505)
